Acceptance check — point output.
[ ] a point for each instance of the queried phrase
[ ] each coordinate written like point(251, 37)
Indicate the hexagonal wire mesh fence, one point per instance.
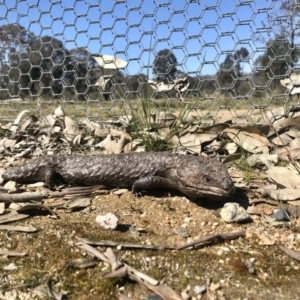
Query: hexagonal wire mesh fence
point(212, 56)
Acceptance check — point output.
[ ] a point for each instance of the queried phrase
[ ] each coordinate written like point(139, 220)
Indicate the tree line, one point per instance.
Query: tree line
point(33, 66)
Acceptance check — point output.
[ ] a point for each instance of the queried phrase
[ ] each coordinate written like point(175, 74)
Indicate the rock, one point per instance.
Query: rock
point(234, 213)
point(182, 233)
point(281, 215)
point(199, 289)
point(108, 221)
point(11, 186)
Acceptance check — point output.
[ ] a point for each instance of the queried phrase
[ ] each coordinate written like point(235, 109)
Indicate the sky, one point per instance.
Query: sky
point(199, 33)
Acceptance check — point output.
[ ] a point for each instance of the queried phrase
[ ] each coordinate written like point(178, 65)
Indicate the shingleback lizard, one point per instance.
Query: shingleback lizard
point(194, 176)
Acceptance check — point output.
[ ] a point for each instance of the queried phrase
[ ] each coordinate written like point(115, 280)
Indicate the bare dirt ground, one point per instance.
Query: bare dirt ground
point(276, 275)
point(222, 268)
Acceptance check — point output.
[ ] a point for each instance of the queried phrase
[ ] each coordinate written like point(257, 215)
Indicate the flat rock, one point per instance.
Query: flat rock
point(234, 213)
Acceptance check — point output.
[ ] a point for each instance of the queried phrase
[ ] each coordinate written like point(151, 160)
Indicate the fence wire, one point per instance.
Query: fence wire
point(97, 58)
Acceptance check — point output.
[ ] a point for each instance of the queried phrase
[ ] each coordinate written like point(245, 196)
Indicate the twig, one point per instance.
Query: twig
point(291, 253)
point(38, 196)
point(120, 269)
point(125, 245)
point(23, 197)
point(78, 191)
point(11, 253)
point(269, 201)
point(18, 228)
point(213, 238)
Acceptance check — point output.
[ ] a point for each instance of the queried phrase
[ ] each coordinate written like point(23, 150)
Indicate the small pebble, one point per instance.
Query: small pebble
point(182, 233)
point(281, 215)
point(199, 289)
point(108, 221)
point(233, 212)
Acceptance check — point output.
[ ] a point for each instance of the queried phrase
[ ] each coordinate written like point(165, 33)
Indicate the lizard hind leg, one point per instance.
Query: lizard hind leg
point(50, 177)
point(152, 182)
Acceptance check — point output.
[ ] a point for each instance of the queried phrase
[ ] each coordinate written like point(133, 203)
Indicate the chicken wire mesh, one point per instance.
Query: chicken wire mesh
point(99, 59)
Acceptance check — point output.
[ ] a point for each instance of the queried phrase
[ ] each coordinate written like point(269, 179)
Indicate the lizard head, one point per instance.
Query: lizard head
point(204, 177)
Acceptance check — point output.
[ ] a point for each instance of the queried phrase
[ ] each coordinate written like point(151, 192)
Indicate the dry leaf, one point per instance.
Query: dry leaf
point(33, 206)
point(252, 142)
point(283, 154)
point(293, 122)
point(59, 112)
point(18, 228)
point(46, 123)
point(113, 146)
point(2, 207)
point(46, 292)
point(11, 217)
point(231, 148)
point(163, 119)
point(11, 253)
point(282, 140)
point(71, 130)
point(265, 159)
point(110, 62)
point(10, 267)
point(191, 142)
point(6, 144)
point(216, 128)
point(78, 203)
point(284, 176)
point(287, 194)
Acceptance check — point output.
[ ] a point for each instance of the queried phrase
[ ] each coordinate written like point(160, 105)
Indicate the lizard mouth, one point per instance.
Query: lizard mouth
point(209, 191)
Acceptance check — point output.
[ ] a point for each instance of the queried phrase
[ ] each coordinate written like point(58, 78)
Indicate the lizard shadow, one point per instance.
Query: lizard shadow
point(213, 203)
point(239, 197)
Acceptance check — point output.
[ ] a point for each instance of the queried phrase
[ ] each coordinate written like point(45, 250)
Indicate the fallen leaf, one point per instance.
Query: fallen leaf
point(252, 142)
point(11, 217)
point(71, 130)
point(265, 159)
point(191, 142)
point(110, 62)
point(287, 194)
point(18, 228)
point(284, 177)
point(10, 267)
point(78, 203)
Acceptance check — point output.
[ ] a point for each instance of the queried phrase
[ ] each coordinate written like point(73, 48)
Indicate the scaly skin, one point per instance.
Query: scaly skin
point(194, 176)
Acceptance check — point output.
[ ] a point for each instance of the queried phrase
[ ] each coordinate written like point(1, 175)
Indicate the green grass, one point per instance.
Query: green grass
point(102, 110)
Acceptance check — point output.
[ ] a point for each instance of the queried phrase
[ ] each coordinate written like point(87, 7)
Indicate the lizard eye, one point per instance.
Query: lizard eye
point(207, 178)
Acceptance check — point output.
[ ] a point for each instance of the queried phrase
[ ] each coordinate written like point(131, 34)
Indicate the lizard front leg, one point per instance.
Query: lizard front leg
point(151, 182)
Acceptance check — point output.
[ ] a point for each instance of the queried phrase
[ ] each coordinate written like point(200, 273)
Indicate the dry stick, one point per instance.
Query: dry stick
point(73, 192)
point(125, 245)
point(206, 239)
point(215, 238)
point(291, 253)
point(11, 253)
point(38, 196)
point(18, 228)
point(120, 269)
point(286, 149)
point(23, 197)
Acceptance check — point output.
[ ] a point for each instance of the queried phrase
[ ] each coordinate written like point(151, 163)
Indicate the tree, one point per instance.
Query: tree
point(231, 69)
point(284, 23)
point(276, 61)
point(164, 66)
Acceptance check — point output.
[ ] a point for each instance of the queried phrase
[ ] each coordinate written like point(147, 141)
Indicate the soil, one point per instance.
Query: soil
point(221, 268)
